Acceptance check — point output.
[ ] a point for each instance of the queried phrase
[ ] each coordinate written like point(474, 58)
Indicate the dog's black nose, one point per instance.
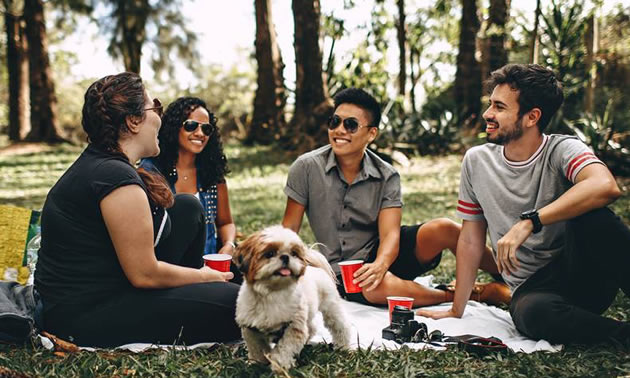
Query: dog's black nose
point(285, 259)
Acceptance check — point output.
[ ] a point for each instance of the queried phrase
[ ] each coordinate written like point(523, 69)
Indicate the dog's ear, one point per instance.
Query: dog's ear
point(242, 265)
point(246, 252)
point(241, 262)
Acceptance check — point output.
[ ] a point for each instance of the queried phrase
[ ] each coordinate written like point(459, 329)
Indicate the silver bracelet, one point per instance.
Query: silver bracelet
point(231, 243)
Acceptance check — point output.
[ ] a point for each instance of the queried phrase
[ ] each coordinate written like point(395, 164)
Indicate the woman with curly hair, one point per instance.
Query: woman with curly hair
point(192, 160)
point(121, 258)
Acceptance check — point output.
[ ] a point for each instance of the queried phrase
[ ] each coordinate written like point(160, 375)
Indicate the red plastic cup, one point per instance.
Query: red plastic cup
point(347, 271)
point(218, 261)
point(398, 301)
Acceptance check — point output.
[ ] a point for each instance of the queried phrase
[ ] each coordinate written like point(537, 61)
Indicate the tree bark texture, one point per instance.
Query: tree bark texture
point(313, 106)
point(131, 17)
point(268, 119)
point(401, 30)
point(44, 126)
point(533, 46)
point(17, 68)
point(591, 46)
point(495, 36)
point(468, 74)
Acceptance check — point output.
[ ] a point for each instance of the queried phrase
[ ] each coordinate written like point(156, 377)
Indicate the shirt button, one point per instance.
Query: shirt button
point(343, 242)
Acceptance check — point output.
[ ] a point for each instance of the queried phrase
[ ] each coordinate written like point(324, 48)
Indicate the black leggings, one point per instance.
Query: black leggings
point(184, 315)
point(563, 301)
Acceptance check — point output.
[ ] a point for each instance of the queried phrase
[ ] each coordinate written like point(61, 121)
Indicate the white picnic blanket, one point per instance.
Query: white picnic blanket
point(367, 322)
point(479, 319)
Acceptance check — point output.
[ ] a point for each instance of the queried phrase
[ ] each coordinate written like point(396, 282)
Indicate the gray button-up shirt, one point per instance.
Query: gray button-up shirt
point(343, 216)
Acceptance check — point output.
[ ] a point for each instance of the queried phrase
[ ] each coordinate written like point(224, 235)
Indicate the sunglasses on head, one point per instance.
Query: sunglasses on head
point(157, 107)
point(350, 124)
point(207, 128)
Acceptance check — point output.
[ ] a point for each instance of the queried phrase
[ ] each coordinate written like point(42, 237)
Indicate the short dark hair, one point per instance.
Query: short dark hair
point(538, 88)
point(362, 99)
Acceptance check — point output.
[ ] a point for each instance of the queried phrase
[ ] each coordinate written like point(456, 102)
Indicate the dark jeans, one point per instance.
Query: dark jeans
point(187, 314)
point(563, 301)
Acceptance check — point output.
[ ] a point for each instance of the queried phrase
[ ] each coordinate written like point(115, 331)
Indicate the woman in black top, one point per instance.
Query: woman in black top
point(114, 266)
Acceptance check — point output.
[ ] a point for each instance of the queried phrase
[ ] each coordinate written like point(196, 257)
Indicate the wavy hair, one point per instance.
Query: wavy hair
point(108, 103)
point(538, 88)
point(211, 161)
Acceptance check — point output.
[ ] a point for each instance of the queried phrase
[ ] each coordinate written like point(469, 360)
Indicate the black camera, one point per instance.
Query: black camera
point(403, 327)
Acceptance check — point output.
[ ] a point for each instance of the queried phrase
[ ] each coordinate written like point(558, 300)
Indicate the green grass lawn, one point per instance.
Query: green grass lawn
point(258, 175)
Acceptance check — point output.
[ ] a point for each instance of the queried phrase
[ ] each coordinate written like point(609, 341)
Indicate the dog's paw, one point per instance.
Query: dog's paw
point(280, 363)
point(258, 358)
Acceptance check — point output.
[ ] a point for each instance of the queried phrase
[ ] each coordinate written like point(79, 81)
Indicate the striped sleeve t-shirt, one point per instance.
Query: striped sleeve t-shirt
point(497, 190)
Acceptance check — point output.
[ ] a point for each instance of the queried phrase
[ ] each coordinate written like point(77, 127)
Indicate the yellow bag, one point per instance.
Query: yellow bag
point(17, 227)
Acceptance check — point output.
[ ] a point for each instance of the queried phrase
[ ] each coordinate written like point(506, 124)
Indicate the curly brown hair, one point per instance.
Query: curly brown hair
point(211, 162)
point(108, 103)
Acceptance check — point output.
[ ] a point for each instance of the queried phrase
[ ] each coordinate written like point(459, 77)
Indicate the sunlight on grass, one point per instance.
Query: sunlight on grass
point(430, 186)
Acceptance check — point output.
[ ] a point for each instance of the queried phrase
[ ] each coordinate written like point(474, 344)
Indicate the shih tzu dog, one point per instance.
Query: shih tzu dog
point(285, 285)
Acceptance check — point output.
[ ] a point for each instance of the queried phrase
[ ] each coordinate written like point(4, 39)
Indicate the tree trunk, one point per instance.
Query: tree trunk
point(495, 55)
point(43, 99)
point(591, 44)
point(313, 106)
point(131, 17)
point(17, 68)
point(468, 74)
point(402, 40)
point(268, 120)
point(414, 79)
point(533, 47)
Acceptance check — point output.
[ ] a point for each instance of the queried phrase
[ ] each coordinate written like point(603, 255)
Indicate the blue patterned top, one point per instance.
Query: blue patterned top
point(207, 196)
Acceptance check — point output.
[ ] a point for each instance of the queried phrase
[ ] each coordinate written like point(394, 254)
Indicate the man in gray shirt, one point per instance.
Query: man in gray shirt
point(353, 202)
point(542, 200)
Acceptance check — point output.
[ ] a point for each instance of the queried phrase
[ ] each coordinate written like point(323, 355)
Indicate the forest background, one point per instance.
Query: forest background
point(425, 61)
point(269, 69)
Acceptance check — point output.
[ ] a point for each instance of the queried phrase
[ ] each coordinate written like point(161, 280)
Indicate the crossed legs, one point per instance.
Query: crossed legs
point(431, 239)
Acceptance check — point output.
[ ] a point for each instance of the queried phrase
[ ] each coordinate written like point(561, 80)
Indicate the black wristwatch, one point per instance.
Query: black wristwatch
point(533, 216)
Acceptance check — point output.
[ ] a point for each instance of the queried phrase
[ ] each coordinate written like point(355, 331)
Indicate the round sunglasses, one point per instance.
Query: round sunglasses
point(350, 124)
point(207, 128)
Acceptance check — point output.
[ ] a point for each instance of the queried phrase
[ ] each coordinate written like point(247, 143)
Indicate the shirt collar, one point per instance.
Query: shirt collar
point(368, 168)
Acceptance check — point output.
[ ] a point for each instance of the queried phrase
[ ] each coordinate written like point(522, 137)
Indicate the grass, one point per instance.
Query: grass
point(430, 188)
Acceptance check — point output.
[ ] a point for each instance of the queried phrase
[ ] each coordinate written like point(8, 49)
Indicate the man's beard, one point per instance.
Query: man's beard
point(509, 136)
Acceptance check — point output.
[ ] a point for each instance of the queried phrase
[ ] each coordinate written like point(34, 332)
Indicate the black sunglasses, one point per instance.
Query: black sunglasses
point(157, 107)
point(206, 128)
point(350, 124)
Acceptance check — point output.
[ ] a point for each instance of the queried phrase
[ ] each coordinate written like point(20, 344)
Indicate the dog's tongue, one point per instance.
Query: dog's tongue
point(285, 272)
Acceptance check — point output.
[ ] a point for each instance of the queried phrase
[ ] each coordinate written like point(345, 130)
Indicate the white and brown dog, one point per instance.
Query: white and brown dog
point(286, 284)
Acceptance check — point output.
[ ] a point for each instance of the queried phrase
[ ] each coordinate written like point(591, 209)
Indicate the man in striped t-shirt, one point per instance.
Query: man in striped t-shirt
point(542, 199)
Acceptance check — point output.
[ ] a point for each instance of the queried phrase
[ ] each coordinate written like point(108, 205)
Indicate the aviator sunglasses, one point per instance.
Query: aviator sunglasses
point(207, 128)
point(350, 124)
point(157, 107)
